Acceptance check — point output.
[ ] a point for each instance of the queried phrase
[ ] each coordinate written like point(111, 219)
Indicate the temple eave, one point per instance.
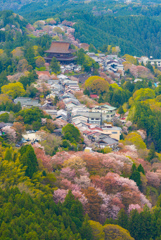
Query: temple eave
point(61, 59)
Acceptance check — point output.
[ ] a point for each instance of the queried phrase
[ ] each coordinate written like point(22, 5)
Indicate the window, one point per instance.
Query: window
point(114, 132)
point(92, 118)
point(97, 118)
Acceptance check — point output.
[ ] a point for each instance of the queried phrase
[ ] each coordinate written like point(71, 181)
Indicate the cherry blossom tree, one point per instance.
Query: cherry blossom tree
point(68, 173)
point(10, 132)
point(59, 195)
point(133, 207)
point(83, 172)
point(60, 157)
point(83, 181)
point(45, 159)
point(74, 162)
point(20, 129)
point(153, 179)
point(68, 185)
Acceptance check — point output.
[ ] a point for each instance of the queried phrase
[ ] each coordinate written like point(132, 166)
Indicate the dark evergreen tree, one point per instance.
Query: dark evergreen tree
point(121, 110)
point(80, 56)
point(29, 160)
point(122, 219)
point(134, 224)
point(136, 177)
point(55, 65)
point(148, 65)
point(133, 168)
point(30, 57)
point(141, 169)
point(151, 153)
point(85, 230)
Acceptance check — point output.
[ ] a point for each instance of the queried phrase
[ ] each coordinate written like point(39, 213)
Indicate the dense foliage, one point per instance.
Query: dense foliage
point(149, 120)
point(53, 189)
point(25, 218)
point(108, 30)
point(72, 134)
point(144, 225)
point(96, 85)
point(30, 115)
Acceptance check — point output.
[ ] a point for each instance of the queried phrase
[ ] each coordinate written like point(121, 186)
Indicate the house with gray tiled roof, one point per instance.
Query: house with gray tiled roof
point(107, 112)
point(27, 102)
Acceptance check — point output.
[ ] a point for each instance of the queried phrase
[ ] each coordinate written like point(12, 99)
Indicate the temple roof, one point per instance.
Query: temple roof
point(60, 47)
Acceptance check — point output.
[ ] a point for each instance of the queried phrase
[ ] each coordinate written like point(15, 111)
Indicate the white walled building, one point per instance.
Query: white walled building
point(107, 112)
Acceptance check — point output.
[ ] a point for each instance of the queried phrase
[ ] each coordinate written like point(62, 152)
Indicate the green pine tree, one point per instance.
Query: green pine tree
point(133, 168)
point(121, 110)
point(56, 235)
point(30, 57)
point(136, 177)
point(122, 219)
point(29, 160)
point(86, 230)
point(134, 224)
point(151, 153)
point(141, 169)
point(55, 65)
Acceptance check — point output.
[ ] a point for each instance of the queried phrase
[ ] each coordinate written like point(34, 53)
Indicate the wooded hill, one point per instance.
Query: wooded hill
point(135, 35)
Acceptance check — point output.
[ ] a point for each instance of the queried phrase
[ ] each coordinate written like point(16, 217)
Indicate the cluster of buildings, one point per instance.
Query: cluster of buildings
point(109, 63)
point(152, 61)
point(92, 123)
point(95, 123)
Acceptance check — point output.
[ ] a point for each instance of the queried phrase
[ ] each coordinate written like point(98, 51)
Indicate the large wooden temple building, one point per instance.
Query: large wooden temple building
point(62, 51)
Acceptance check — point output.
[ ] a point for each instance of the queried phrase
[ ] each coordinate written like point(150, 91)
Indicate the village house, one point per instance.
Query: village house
point(94, 96)
point(107, 142)
point(71, 84)
point(114, 66)
point(71, 100)
point(155, 61)
point(79, 119)
point(62, 114)
point(152, 61)
point(27, 102)
point(70, 106)
point(80, 110)
point(51, 112)
point(112, 131)
point(107, 112)
point(94, 118)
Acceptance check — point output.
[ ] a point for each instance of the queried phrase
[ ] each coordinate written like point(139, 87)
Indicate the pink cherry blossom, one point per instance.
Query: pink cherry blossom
point(59, 195)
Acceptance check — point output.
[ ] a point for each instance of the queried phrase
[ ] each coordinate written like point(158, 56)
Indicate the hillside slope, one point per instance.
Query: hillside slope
point(135, 35)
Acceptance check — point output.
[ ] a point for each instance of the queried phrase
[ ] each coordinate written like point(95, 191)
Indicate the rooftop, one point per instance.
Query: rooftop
point(105, 106)
point(60, 47)
point(108, 140)
point(94, 115)
point(27, 101)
